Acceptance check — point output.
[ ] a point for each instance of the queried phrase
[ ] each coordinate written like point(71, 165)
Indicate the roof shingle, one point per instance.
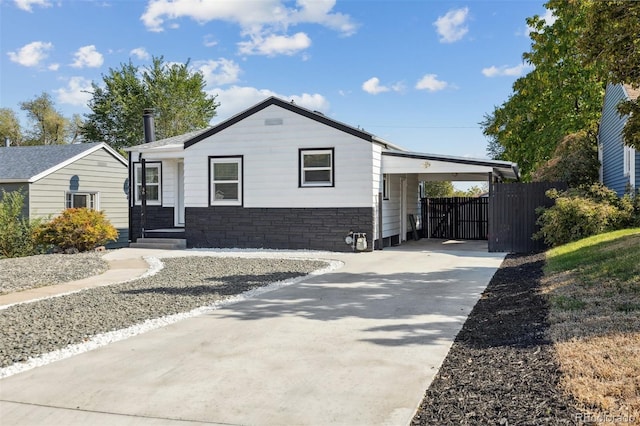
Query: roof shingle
point(25, 162)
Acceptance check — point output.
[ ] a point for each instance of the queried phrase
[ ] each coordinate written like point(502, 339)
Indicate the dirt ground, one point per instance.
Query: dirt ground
point(501, 369)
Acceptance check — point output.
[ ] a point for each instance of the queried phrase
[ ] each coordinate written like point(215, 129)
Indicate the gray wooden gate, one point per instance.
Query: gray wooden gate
point(512, 215)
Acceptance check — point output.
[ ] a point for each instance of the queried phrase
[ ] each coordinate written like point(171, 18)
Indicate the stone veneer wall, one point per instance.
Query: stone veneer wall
point(158, 217)
point(277, 228)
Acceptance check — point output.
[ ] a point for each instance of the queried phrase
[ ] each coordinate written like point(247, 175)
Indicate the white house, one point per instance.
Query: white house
point(281, 176)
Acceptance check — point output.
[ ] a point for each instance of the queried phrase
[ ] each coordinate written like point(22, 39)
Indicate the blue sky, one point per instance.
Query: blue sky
point(418, 73)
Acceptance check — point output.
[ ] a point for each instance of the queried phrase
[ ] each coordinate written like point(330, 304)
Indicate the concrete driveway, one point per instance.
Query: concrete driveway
point(356, 346)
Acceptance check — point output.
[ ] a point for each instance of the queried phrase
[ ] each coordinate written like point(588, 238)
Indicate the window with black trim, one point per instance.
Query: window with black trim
point(78, 200)
point(154, 181)
point(316, 167)
point(385, 186)
point(226, 181)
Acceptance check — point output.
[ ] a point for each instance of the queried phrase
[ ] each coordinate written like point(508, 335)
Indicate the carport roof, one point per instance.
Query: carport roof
point(434, 167)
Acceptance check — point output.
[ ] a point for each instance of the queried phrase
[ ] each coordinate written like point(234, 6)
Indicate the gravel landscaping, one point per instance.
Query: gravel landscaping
point(186, 283)
point(23, 273)
point(501, 368)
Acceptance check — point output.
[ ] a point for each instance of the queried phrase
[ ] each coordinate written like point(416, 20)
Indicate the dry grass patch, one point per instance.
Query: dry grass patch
point(593, 287)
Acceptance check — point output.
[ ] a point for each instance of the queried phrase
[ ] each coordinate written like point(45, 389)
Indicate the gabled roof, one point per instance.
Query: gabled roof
point(290, 106)
point(191, 138)
point(31, 163)
point(169, 143)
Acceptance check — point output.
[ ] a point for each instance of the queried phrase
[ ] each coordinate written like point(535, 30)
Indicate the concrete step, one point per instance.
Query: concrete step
point(160, 243)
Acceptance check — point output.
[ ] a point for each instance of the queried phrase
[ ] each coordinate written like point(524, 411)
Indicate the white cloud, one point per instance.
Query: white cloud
point(249, 15)
point(451, 27)
point(218, 73)
point(30, 55)
point(209, 41)
point(87, 56)
point(272, 45)
point(235, 99)
point(77, 92)
point(373, 86)
point(515, 71)
point(264, 23)
point(140, 53)
point(26, 4)
point(319, 12)
point(53, 67)
point(431, 83)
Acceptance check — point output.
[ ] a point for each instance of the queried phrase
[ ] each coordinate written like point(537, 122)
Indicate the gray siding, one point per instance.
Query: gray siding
point(98, 172)
point(610, 137)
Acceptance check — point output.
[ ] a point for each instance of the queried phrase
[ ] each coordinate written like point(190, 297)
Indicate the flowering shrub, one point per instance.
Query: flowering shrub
point(79, 229)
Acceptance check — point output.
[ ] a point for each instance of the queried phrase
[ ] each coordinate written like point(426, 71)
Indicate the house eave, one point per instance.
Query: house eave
point(75, 158)
point(466, 169)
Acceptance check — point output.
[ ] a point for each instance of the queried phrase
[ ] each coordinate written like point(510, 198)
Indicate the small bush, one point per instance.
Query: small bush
point(78, 229)
point(17, 233)
point(582, 212)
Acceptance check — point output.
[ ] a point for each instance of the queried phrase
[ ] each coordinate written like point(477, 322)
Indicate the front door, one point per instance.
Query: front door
point(180, 195)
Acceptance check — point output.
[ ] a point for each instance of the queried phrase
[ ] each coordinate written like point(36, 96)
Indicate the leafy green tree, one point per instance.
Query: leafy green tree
point(10, 127)
point(438, 189)
point(174, 92)
point(574, 161)
point(611, 38)
point(474, 191)
point(558, 97)
point(48, 126)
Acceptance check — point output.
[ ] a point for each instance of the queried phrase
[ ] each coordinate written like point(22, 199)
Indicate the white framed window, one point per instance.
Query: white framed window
point(153, 181)
point(316, 167)
point(385, 186)
point(226, 181)
point(88, 200)
point(627, 159)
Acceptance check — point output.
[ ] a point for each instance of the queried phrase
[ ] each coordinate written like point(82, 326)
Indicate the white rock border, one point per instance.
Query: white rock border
point(156, 265)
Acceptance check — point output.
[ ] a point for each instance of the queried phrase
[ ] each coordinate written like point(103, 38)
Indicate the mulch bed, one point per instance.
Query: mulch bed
point(501, 369)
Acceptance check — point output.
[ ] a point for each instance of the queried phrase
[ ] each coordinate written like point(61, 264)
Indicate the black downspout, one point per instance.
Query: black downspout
point(131, 196)
point(149, 136)
point(143, 196)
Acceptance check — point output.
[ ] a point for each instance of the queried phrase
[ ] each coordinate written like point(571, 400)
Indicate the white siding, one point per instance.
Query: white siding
point(391, 208)
point(271, 164)
point(97, 172)
point(391, 220)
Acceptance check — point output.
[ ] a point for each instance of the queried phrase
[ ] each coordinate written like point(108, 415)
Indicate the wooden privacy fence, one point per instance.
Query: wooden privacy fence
point(463, 218)
point(512, 215)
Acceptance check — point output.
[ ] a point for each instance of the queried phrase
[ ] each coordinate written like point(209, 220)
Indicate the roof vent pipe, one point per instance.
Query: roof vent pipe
point(7, 142)
point(149, 126)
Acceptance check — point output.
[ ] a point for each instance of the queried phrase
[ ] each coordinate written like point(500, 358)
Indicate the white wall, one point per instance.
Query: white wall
point(270, 163)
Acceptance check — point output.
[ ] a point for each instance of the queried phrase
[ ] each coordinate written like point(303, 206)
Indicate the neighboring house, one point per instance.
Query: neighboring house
point(55, 177)
point(619, 164)
point(281, 176)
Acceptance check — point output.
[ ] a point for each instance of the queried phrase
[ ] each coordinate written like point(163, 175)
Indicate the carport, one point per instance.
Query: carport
point(403, 173)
